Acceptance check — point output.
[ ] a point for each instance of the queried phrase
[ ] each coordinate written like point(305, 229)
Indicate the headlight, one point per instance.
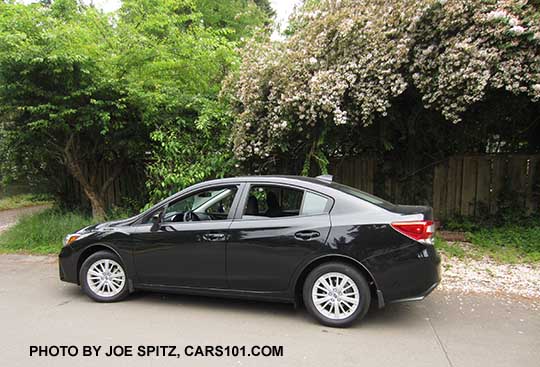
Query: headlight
point(70, 238)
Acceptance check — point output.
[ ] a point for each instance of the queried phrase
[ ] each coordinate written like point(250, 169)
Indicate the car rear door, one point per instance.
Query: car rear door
point(264, 251)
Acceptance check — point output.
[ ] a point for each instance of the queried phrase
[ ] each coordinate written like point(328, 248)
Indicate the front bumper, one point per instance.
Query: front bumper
point(67, 265)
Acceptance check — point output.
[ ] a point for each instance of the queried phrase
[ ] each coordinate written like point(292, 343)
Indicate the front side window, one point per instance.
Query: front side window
point(271, 201)
point(212, 204)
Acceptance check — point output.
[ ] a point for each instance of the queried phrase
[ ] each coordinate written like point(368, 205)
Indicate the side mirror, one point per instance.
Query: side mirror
point(156, 218)
point(156, 221)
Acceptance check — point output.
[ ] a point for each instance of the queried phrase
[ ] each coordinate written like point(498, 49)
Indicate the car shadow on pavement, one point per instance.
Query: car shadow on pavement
point(391, 315)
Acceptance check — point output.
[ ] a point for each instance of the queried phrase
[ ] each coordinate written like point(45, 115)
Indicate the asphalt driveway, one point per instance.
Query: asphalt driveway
point(446, 329)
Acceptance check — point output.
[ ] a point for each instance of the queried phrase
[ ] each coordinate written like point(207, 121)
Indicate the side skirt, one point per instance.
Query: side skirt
point(281, 297)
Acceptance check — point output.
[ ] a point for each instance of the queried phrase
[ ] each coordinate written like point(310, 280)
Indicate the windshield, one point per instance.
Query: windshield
point(363, 195)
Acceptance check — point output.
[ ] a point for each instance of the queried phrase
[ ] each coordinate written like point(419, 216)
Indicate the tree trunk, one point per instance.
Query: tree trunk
point(89, 183)
point(91, 191)
point(97, 203)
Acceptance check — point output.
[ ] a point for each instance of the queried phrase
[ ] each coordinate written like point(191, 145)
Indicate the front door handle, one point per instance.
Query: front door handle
point(214, 237)
point(306, 235)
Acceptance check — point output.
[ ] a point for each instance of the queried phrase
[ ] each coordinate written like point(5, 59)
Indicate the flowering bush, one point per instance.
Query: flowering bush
point(347, 61)
point(462, 49)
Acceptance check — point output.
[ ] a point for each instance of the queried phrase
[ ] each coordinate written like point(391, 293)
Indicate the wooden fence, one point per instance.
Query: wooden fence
point(468, 185)
point(479, 184)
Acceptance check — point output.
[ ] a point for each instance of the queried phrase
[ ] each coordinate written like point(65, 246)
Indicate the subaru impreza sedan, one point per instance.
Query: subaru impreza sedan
point(293, 239)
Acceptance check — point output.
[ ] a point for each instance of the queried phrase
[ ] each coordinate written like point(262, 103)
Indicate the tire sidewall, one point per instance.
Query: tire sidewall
point(100, 255)
point(351, 272)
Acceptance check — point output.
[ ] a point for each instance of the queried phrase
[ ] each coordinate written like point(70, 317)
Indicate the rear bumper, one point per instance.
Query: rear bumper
point(407, 274)
point(418, 297)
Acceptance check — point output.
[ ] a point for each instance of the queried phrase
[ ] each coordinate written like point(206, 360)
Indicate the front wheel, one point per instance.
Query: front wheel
point(103, 277)
point(336, 294)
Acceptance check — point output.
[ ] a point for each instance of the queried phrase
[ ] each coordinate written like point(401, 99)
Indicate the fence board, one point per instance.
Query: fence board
point(451, 184)
point(483, 185)
point(439, 185)
point(497, 182)
point(468, 186)
point(517, 174)
point(533, 185)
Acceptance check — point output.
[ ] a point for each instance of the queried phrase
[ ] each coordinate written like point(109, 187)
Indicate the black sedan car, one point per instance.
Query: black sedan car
point(282, 238)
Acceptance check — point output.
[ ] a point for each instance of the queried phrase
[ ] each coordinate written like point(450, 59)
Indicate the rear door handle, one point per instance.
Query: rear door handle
point(306, 235)
point(214, 237)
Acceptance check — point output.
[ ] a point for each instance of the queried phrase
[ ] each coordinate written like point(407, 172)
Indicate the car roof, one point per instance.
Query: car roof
point(268, 178)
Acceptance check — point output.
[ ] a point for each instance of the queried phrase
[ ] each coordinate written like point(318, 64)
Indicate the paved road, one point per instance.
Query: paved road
point(444, 330)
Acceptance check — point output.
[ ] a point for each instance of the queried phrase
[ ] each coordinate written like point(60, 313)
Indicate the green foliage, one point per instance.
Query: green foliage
point(79, 88)
point(242, 17)
point(24, 200)
point(176, 54)
point(61, 100)
point(42, 233)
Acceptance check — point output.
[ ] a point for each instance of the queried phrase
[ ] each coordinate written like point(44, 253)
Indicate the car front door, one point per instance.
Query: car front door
point(188, 247)
point(277, 228)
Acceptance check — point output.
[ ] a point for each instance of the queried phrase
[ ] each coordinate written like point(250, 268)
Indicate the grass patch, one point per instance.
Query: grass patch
point(449, 248)
point(509, 244)
point(42, 233)
point(513, 242)
point(23, 200)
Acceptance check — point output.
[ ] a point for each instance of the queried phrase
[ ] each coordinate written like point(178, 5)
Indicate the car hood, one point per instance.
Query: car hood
point(106, 225)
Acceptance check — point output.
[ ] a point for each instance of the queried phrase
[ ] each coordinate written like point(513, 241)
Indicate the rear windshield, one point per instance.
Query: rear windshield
point(363, 195)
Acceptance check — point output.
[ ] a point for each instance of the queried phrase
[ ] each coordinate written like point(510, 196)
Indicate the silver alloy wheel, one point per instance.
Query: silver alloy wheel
point(106, 278)
point(335, 295)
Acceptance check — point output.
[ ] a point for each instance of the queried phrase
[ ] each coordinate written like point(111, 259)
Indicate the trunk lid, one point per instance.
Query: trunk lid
point(427, 211)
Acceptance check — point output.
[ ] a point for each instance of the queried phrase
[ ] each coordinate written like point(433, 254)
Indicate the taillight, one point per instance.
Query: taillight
point(421, 230)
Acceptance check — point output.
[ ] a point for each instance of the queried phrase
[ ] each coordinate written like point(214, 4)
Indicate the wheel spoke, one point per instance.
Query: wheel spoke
point(327, 284)
point(349, 299)
point(340, 309)
point(336, 311)
point(322, 300)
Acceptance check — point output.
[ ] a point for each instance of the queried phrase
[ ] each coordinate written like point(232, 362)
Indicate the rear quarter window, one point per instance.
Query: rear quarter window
point(372, 199)
point(313, 204)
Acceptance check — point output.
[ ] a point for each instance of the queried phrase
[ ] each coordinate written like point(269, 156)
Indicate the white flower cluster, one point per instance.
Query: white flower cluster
point(492, 45)
point(352, 58)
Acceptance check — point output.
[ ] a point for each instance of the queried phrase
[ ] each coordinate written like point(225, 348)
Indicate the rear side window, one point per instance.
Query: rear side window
point(313, 204)
point(273, 201)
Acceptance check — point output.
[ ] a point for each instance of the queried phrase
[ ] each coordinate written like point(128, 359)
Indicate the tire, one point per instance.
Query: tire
point(105, 268)
point(322, 285)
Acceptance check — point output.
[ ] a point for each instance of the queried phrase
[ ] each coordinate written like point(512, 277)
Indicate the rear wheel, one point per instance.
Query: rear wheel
point(103, 277)
point(336, 294)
